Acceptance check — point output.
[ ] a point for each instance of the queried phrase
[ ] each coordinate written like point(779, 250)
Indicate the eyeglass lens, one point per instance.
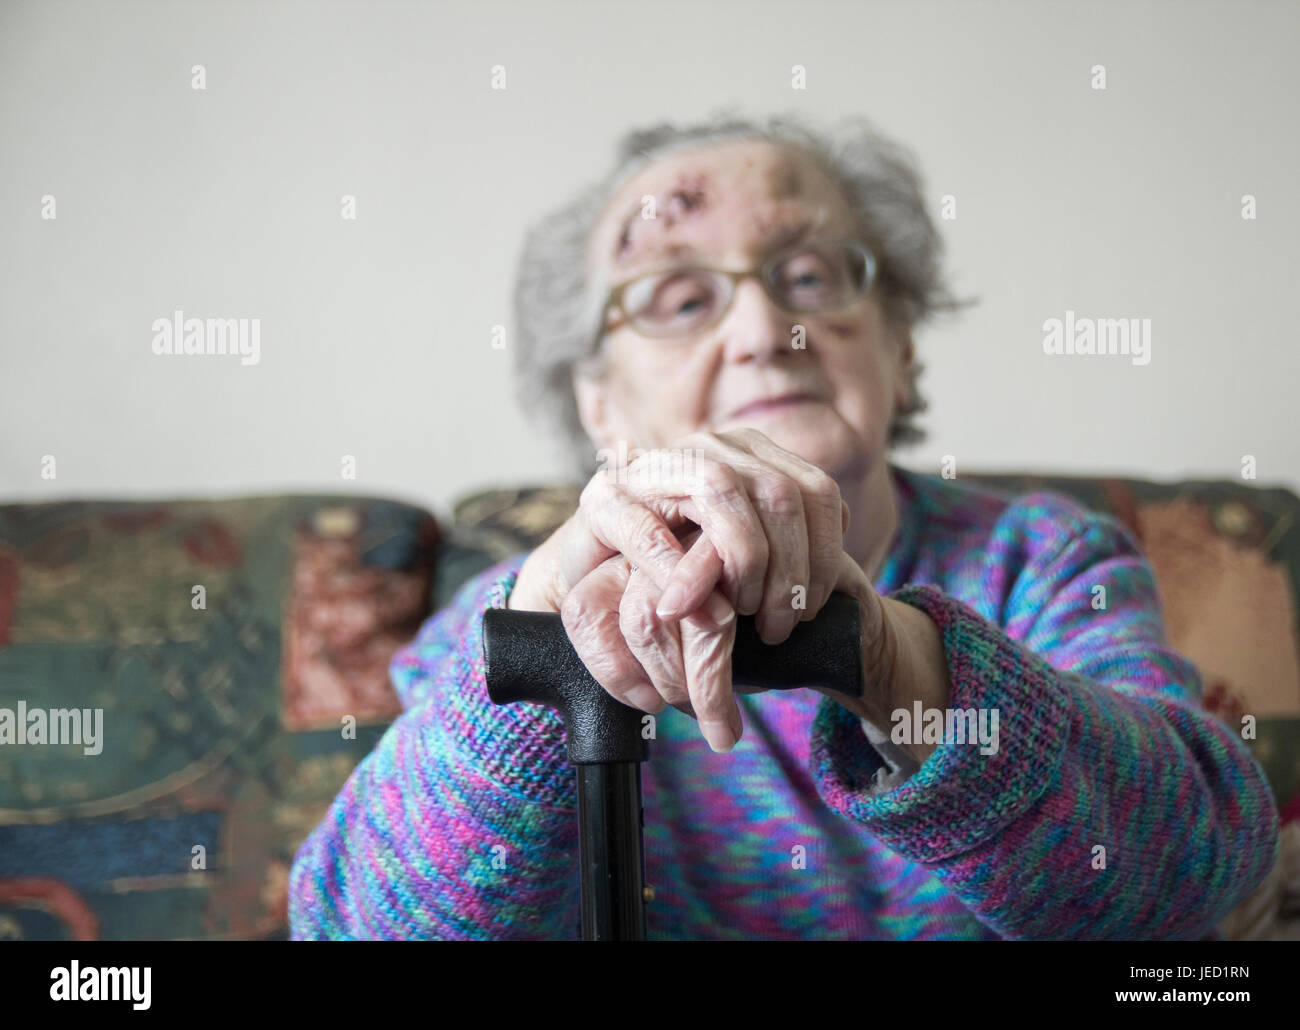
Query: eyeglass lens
point(816, 277)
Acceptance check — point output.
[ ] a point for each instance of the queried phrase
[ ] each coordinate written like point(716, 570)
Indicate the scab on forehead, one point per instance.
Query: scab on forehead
point(691, 196)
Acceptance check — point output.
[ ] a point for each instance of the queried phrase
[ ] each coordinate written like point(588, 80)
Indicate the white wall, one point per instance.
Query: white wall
point(225, 202)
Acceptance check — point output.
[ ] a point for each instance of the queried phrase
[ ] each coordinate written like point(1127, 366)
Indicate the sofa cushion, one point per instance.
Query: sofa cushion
point(229, 645)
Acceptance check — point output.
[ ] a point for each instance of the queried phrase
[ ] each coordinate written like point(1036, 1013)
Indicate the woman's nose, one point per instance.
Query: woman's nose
point(755, 328)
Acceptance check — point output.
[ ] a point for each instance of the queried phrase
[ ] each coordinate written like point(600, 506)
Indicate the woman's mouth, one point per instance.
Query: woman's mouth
point(769, 405)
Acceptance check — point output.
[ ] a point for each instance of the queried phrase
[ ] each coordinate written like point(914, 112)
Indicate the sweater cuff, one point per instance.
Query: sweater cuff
point(520, 746)
point(959, 797)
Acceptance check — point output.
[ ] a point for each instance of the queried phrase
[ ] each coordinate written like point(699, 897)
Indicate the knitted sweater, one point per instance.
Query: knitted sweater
point(462, 823)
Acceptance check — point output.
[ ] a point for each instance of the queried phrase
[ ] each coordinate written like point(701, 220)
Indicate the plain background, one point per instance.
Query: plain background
point(376, 332)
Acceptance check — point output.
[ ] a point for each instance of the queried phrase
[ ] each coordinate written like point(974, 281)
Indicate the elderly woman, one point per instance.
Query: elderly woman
point(742, 299)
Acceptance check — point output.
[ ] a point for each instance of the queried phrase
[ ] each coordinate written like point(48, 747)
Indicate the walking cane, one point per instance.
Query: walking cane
point(529, 658)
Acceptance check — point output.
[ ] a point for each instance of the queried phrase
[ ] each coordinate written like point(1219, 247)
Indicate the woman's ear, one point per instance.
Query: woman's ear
point(905, 356)
point(592, 409)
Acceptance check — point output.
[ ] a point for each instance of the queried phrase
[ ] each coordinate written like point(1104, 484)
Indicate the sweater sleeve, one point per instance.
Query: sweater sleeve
point(461, 823)
point(1114, 806)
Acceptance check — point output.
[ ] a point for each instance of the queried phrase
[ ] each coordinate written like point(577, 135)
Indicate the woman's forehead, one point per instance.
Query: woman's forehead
point(707, 200)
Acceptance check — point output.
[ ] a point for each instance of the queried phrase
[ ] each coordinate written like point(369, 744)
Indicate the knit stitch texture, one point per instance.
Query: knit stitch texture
point(462, 823)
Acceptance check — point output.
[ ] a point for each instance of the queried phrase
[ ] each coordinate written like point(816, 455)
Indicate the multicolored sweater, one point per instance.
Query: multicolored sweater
point(1113, 807)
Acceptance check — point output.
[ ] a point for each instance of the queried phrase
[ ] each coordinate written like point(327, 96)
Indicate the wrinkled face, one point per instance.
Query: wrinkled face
point(731, 206)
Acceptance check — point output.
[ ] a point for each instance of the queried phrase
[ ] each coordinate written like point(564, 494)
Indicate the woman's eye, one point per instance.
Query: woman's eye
point(806, 275)
point(805, 282)
point(680, 299)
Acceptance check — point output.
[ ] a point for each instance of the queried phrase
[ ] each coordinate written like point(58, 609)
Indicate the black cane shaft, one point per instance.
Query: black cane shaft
point(611, 851)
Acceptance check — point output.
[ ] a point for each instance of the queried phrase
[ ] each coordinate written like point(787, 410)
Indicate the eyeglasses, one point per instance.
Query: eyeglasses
point(810, 278)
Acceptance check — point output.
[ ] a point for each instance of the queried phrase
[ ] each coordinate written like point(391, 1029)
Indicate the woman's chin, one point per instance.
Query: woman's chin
point(819, 437)
point(831, 456)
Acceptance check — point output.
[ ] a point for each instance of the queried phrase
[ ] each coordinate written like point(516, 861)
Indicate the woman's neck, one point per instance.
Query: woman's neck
point(873, 517)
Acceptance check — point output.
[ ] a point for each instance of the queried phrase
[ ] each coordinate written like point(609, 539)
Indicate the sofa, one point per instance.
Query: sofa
point(238, 649)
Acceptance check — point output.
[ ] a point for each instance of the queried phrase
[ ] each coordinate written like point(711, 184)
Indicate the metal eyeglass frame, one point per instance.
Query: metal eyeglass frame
point(615, 298)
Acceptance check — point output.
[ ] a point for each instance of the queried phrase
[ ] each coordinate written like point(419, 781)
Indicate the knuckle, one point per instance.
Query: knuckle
point(717, 481)
point(675, 694)
point(826, 491)
point(638, 624)
point(730, 498)
point(742, 436)
point(659, 544)
point(781, 496)
point(709, 698)
point(597, 488)
point(576, 609)
point(644, 469)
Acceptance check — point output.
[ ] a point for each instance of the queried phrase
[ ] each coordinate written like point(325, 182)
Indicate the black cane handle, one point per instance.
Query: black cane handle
point(529, 658)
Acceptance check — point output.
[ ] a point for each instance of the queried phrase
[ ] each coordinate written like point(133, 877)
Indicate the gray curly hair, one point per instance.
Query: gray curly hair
point(557, 309)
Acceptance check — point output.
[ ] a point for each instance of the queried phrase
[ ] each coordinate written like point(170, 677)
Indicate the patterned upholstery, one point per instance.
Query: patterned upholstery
point(223, 712)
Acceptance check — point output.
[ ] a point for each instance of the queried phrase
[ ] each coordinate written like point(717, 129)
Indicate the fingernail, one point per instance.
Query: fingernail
point(719, 735)
point(719, 609)
point(646, 698)
point(738, 722)
point(671, 601)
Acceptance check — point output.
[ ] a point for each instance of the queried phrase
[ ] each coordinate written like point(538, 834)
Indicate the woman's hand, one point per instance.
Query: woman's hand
point(649, 570)
point(647, 662)
point(775, 522)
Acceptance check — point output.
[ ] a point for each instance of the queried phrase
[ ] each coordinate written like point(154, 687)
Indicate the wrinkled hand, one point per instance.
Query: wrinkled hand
point(649, 572)
point(647, 662)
